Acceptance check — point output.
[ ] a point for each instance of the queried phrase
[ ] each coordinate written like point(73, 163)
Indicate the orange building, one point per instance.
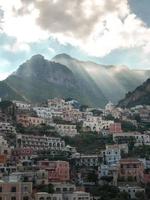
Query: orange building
point(3, 159)
point(131, 168)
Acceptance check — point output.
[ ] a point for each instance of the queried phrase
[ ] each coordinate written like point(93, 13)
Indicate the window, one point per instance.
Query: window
point(13, 189)
point(48, 198)
point(0, 189)
point(64, 189)
point(13, 198)
point(26, 198)
point(25, 189)
point(71, 189)
point(58, 189)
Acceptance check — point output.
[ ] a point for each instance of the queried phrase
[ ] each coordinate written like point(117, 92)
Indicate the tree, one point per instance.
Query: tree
point(127, 126)
point(123, 196)
point(50, 188)
point(46, 188)
point(140, 196)
point(109, 117)
point(92, 177)
point(147, 190)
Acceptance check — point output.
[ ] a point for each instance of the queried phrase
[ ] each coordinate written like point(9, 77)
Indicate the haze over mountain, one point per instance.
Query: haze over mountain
point(39, 79)
point(140, 96)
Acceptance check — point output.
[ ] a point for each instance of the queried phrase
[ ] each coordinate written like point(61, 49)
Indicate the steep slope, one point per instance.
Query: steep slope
point(39, 79)
point(111, 82)
point(8, 93)
point(140, 96)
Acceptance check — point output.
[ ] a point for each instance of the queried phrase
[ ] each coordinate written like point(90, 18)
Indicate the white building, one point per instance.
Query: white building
point(66, 130)
point(58, 104)
point(4, 148)
point(83, 160)
point(109, 106)
point(6, 127)
point(63, 187)
point(43, 112)
point(47, 196)
point(39, 176)
point(103, 170)
point(131, 190)
point(22, 105)
point(96, 124)
point(111, 155)
point(123, 147)
point(140, 139)
point(72, 115)
point(57, 114)
point(77, 195)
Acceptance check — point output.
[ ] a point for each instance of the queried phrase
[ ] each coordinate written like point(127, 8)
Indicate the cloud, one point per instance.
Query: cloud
point(95, 26)
point(51, 50)
point(4, 75)
point(1, 18)
point(17, 47)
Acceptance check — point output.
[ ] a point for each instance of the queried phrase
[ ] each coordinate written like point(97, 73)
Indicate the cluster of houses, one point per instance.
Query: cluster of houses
point(26, 172)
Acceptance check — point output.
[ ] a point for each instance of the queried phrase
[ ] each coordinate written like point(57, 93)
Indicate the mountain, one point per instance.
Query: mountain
point(140, 96)
point(8, 93)
point(110, 82)
point(39, 79)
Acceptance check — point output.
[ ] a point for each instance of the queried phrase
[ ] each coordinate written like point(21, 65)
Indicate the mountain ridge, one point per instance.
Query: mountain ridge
point(141, 95)
point(38, 79)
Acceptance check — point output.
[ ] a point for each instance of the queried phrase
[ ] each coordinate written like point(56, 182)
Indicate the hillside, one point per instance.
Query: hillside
point(8, 93)
point(140, 96)
point(39, 79)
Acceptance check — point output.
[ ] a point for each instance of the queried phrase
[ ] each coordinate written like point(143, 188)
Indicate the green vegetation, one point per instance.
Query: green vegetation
point(42, 129)
point(140, 96)
point(107, 192)
point(4, 105)
point(128, 126)
point(88, 142)
point(9, 93)
point(140, 152)
point(45, 188)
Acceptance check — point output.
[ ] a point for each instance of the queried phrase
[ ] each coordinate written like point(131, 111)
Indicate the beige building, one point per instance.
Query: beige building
point(15, 190)
point(66, 130)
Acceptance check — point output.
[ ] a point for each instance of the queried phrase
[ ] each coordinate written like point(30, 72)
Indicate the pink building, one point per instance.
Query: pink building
point(58, 171)
point(146, 176)
point(115, 128)
point(22, 153)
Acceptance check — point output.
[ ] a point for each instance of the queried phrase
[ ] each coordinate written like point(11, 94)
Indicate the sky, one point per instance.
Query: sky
point(104, 31)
